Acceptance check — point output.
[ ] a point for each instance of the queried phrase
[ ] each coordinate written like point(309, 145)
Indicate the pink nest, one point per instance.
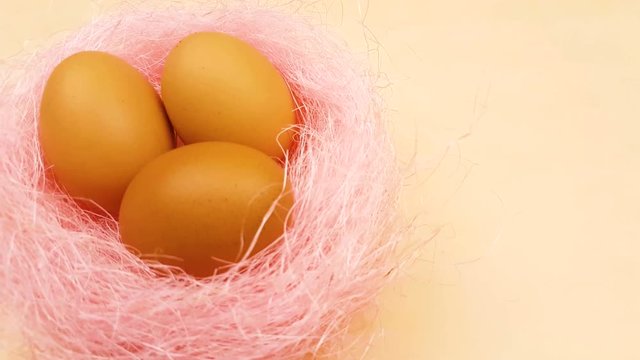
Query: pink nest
point(81, 295)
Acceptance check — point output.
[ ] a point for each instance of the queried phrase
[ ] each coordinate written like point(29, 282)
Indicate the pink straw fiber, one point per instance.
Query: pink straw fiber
point(82, 295)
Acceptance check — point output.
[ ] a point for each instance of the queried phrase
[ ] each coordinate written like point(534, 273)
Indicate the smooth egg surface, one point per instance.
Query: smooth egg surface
point(219, 88)
point(100, 123)
point(199, 207)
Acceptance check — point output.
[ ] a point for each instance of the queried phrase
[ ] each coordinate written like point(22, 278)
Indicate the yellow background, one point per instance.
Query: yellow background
point(527, 168)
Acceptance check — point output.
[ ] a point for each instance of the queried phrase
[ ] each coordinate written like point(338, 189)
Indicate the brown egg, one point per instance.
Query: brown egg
point(219, 88)
point(100, 122)
point(199, 206)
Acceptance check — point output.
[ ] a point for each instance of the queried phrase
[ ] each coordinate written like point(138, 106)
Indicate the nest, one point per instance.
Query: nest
point(81, 294)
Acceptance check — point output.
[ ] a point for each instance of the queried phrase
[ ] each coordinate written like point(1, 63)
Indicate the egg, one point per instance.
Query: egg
point(199, 207)
point(100, 122)
point(219, 88)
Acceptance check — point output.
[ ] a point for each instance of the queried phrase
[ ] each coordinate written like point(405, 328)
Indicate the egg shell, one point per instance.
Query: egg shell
point(100, 122)
point(198, 207)
point(219, 88)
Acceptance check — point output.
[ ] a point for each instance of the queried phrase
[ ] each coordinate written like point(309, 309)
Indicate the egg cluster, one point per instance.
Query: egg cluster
point(110, 140)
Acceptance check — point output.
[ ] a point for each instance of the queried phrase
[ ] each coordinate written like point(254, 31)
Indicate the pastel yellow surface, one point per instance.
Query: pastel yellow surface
point(528, 169)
